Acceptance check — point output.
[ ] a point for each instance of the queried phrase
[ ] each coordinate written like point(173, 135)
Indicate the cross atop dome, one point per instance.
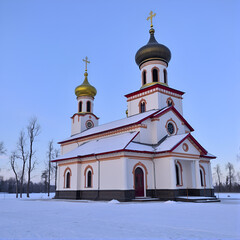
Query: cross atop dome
point(151, 17)
point(86, 62)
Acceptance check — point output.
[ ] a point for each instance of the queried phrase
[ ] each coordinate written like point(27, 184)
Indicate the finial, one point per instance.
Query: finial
point(86, 62)
point(151, 17)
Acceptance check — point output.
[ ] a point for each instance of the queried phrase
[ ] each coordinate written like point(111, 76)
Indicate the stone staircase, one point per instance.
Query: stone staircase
point(197, 199)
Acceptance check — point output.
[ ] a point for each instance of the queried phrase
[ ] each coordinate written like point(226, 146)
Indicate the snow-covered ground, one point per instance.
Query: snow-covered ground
point(43, 218)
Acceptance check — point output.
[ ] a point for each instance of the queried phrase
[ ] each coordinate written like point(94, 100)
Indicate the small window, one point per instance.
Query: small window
point(89, 179)
point(155, 75)
point(144, 80)
point(88, 106)
point(68, 180)
point(169, 102)
point(80, 106)
point(143, 107)
point(165, 75)
point(170, 128)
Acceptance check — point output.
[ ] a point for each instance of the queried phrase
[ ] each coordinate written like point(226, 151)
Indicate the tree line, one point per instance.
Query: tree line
point(229, 183)
point(22, 162)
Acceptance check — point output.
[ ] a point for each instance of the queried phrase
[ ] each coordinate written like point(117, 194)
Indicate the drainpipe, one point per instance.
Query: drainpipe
point(154, 173)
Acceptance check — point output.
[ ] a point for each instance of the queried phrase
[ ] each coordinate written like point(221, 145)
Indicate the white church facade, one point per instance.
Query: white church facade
point(150, 153)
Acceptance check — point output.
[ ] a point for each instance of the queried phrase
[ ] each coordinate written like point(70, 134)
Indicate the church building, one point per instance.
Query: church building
point(149, 154)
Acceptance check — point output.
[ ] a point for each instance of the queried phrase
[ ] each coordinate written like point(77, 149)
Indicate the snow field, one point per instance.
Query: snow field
point(39, 218)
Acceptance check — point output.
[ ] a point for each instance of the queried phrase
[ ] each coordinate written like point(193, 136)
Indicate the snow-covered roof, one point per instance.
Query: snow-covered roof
point(112, 125)
point(170, 142)
point(125, 141)
point(103, 145)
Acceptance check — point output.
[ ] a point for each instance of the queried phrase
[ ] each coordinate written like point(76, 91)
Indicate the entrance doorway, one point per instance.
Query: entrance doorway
point(139, 182)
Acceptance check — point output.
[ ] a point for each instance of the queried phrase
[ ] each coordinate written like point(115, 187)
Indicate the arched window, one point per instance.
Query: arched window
point(144, 80)
point(155, 75)
point(202, 176)
point(88, 106)
point(89, 179)
point(80, 106)
point(68, 180)
point(88, 174)
point(143, 107)
point(165, 75)
point(178, 170)
point(177, 174)
point(170, 102)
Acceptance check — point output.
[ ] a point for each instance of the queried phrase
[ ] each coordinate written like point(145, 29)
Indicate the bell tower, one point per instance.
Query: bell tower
point(84, 118)
point(155, 93)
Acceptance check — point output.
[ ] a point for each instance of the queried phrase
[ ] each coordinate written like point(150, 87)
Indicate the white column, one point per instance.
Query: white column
point(197, 174)
point(125, 175)
point(210, 175)
point(172, 173)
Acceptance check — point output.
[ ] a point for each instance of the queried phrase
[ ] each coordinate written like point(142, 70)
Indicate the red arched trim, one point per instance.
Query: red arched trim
point(64, 176)
point(170, 100)
point(181, 170)
point(204, 175)
point(145, 173)
point(140, 103)
point(89, 167)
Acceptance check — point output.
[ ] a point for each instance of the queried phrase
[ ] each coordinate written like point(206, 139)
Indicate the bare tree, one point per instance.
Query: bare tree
point(56, 154)
point(23, 155)
point(230, 175)
point(2, 149)
point(219, 174)
point(33, 130)
point(50, 156)
point(13, 158)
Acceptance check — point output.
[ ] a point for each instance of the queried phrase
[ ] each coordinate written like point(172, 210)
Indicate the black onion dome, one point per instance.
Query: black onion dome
point(152, 51)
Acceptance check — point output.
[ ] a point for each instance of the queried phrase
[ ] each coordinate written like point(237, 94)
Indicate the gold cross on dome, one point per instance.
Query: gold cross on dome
point(151, 17)
point(86, 62)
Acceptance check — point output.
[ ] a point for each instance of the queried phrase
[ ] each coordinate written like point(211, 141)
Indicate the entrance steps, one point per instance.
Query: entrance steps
point(197, 199)
point(144, 199)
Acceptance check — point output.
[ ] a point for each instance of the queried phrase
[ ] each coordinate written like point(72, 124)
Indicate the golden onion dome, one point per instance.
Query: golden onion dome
point(152, 51)
point(85, 89)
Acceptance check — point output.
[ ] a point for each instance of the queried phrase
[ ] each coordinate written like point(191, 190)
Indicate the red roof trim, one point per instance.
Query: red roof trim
point(154, 86)
point(211, 157)
point(179, 143)
point(204, 151)
point(178, 114)
point(83, 114)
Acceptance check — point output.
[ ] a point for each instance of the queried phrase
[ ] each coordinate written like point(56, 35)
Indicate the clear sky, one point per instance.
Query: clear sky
point(42, 44)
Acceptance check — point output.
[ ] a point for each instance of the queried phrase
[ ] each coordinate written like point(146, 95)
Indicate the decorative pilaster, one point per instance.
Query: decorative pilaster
point(173, 173)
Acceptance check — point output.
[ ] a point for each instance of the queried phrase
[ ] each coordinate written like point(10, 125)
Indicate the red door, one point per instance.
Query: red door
point(139, 183)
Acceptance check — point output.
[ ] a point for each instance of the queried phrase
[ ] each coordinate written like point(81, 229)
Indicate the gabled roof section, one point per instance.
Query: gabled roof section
point(101, 146)
point(173, 142)
point(136, 119)
point(158, 114)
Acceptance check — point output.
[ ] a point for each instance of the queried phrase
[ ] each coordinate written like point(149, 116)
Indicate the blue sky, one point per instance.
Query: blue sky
point(42, 45)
